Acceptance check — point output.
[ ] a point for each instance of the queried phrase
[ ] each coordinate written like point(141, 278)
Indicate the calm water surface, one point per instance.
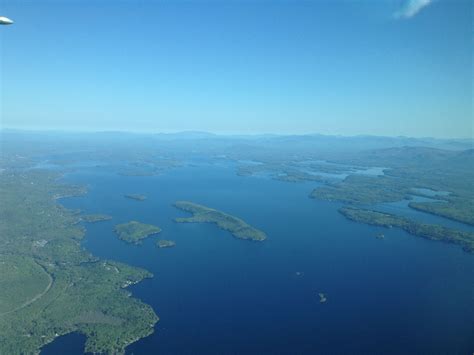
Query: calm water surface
point(216, 294)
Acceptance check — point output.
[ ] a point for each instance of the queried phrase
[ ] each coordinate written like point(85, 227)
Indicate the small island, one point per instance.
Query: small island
point(93, 218)
point(134, 232)
point(202, 214)
point(136, 197)
point(322, 298)
point(162, 243)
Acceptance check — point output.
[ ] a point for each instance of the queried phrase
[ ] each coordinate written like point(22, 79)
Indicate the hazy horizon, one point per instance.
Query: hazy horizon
point(220, 134)
point(389, 68)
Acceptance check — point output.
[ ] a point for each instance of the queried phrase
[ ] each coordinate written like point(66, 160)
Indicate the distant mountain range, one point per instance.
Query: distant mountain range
point(312, 142)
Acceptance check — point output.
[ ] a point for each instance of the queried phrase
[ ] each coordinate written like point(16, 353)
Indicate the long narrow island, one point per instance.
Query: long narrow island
point(202, 214)
point(134, 232)
point(137, 197)
point(163, 243)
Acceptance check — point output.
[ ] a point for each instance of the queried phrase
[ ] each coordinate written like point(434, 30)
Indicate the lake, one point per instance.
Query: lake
point(216, 294)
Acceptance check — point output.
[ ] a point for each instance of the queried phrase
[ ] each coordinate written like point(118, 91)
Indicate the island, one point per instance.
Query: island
point(94, 218)
point(428, 231)
point(380, 236)
point(134, 232)
point(162, 243)
point(322, 297)
point(136, 197)
point(202, 214)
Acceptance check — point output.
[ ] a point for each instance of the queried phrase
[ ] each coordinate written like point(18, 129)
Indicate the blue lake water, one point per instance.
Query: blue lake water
point(216, 294)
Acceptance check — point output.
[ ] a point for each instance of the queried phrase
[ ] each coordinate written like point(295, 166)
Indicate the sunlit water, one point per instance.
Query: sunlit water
point(216, 294)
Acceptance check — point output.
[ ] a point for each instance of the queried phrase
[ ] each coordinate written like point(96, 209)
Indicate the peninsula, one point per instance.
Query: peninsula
point(55, 286)
point(202, 214)
point(133, 231)
point(428, 231)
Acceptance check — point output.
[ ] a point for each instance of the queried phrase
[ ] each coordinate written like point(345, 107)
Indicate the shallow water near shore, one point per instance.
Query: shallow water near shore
point(216, 294)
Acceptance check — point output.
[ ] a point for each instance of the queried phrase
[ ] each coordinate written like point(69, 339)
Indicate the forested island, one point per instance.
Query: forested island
point(134, 232)
point(202, 214)
point(428, 231)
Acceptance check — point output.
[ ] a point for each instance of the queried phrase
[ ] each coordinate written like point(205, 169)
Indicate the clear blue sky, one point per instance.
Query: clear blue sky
point(383, 67)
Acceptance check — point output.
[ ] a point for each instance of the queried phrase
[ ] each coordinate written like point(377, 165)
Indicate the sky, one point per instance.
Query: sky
point(379, 67)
